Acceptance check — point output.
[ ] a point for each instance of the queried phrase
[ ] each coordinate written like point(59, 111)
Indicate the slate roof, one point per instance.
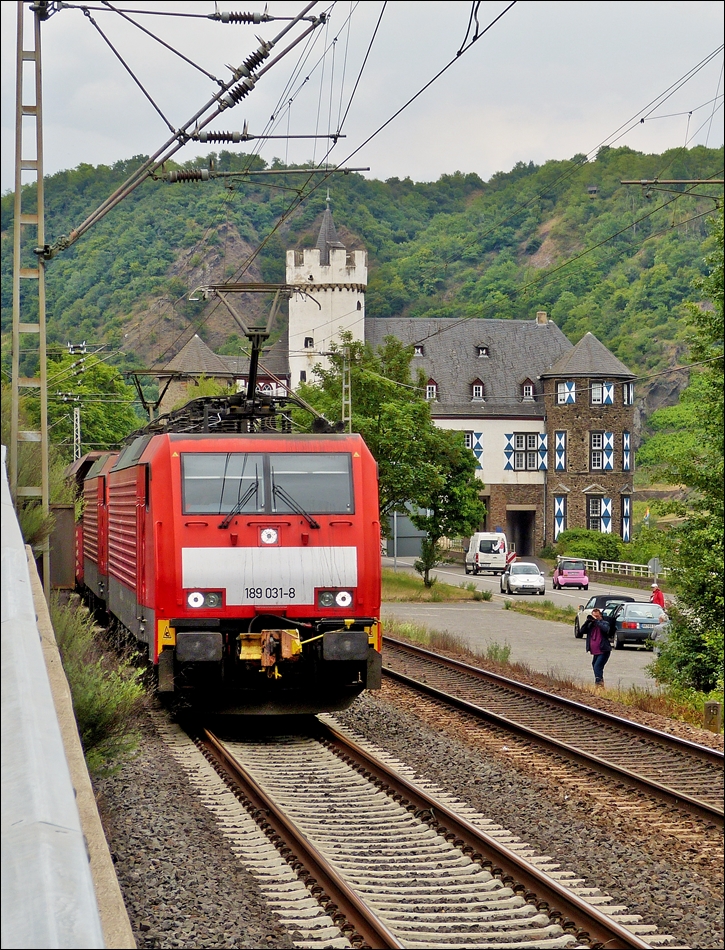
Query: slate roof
point(327, 237)
point(589, 358)
point(274, 360)
point(519, 350)
point(196, 359)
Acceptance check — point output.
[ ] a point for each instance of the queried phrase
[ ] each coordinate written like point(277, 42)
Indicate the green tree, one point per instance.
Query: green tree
point(693, 654)
point(449, 504)
point(419, 465)
point(98, 389)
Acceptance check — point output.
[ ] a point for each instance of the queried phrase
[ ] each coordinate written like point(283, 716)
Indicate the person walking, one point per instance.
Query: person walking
point(657, 596)
point(596, 630)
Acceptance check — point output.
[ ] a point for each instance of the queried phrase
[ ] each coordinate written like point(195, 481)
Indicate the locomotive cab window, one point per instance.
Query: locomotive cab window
point(280, 483)
point(321, 484)
point(214, 483)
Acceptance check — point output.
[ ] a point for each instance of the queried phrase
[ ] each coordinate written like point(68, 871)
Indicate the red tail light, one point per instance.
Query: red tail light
point(628, 625)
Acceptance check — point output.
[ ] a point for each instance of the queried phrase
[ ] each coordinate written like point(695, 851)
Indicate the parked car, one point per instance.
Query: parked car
point(637, 623)
point(607, 603)
point(521, 577)
point(570, 572)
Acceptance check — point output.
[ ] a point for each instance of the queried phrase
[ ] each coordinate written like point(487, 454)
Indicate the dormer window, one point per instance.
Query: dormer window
point(431, 390)
point(527, 390)
point(418, 349)
point(477, 390)
point(309, 342)
point(483, 351)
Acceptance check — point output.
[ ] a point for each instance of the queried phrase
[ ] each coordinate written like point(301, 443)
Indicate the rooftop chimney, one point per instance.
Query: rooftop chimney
point(541, 318)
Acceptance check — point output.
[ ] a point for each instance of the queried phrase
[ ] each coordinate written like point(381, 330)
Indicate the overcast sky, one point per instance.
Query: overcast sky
point(549, 80)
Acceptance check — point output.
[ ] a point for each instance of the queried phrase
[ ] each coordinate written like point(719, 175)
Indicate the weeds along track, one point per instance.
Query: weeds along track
point(654, 764)
point(352, 852)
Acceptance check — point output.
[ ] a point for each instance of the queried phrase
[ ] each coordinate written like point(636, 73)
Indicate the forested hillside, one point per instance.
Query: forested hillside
point(565, 237)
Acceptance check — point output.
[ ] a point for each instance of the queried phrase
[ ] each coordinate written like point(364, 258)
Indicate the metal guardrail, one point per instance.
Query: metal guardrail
point(48, 898)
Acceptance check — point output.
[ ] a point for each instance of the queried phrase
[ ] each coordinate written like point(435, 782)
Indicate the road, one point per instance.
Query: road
point(542, 645)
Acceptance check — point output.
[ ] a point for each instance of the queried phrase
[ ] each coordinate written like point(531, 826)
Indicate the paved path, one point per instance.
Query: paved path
point(544, 646)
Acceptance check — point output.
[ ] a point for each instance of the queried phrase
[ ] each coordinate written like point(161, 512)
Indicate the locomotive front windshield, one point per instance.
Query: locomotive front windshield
point(216, 483)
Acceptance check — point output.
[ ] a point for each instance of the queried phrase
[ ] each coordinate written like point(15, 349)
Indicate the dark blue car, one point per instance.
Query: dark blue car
point(636, 623)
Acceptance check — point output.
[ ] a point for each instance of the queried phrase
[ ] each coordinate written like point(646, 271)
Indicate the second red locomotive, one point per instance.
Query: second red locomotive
point(248, 564)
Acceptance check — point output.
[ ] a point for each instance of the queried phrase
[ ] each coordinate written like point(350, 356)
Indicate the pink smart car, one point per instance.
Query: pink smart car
point(570, 572)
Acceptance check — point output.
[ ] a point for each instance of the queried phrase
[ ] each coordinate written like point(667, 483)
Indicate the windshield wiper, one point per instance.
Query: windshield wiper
point(295, 506)
point(252, 490)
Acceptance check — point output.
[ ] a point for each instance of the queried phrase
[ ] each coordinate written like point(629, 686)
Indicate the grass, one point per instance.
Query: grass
point(404, 586)
point(682, 705)
point(107, 690)
point(544, 609)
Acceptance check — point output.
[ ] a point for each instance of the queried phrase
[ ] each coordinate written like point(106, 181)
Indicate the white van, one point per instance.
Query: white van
point(487, 551)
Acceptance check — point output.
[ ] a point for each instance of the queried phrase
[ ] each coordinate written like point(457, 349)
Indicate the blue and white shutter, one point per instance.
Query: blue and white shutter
point(626, 517)
point(570, 392)
point(608, 458)
point(626, 451)
point(543, 452)
point(508, 452)
point(606, 515)
point(477, 447)
point(607, 394)
point(559, 515)
point(560, 451)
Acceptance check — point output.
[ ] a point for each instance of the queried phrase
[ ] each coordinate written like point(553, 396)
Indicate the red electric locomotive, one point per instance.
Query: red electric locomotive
point(249, 565)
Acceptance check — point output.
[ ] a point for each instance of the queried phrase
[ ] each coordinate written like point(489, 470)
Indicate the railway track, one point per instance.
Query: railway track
point(661, 766)
point(392, 864)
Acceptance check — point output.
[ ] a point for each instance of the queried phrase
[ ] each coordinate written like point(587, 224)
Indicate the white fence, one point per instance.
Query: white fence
point(631, 570)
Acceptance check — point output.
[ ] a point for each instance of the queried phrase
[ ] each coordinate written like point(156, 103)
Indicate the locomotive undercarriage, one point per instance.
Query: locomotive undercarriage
point(308, 667)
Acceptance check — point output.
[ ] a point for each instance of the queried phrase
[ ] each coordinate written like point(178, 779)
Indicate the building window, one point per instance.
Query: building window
point(565, 393)
point(594, 514)
point(477, 391)
point(628, 394)
point(597, 392)
point(418, 349)
point(526, 455)
point(468, 438)
point(528, 390)
point(596, 455)
point(309, 342)
point(303, 376)
point(431, 391)
point(483, 351)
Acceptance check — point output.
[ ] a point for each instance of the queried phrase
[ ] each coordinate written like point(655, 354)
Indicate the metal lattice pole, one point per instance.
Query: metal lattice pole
point(346, 389)
point(76, 432)
point(31, 277)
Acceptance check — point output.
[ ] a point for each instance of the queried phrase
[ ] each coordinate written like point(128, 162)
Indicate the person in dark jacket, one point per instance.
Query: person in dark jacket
point(596, 630)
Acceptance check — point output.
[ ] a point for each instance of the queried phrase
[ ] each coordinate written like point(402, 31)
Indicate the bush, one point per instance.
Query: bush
point(108, 695)
point(580, 542)
point(482, 594)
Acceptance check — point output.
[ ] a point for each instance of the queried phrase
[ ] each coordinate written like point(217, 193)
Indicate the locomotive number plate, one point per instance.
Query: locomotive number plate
point(270, 594)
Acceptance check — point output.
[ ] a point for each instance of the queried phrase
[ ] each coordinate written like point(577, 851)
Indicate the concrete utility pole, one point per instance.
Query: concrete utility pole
point(28, 105)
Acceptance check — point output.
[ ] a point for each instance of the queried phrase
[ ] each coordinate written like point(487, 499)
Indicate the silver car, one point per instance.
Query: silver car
point(522, 577)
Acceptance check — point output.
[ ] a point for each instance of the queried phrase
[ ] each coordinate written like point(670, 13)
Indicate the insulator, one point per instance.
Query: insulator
point(230, 17)
point(217, 136)
point(189, 174)
point(238, 93)
point(257, 57)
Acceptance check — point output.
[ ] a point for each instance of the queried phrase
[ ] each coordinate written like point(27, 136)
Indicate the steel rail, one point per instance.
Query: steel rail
point(365, 922)
point(663, 792)
point(713, 756)
point(579, 916)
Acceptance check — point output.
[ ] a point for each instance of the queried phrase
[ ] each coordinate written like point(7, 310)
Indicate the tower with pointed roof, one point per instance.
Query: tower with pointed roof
point(332, 283)
point(589, 397)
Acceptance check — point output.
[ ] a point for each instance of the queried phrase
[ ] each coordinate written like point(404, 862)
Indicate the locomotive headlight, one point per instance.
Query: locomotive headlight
point(327, 599)
point(343, 598)
point(213, 599)
point(268, 536)
point(195, 599)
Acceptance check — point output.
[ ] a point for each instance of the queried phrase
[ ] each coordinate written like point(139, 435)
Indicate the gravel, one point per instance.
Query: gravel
point(654, 877)
point(182, 885)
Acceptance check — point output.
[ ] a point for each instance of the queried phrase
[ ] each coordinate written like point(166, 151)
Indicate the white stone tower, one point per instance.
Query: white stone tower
point(334, 281)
